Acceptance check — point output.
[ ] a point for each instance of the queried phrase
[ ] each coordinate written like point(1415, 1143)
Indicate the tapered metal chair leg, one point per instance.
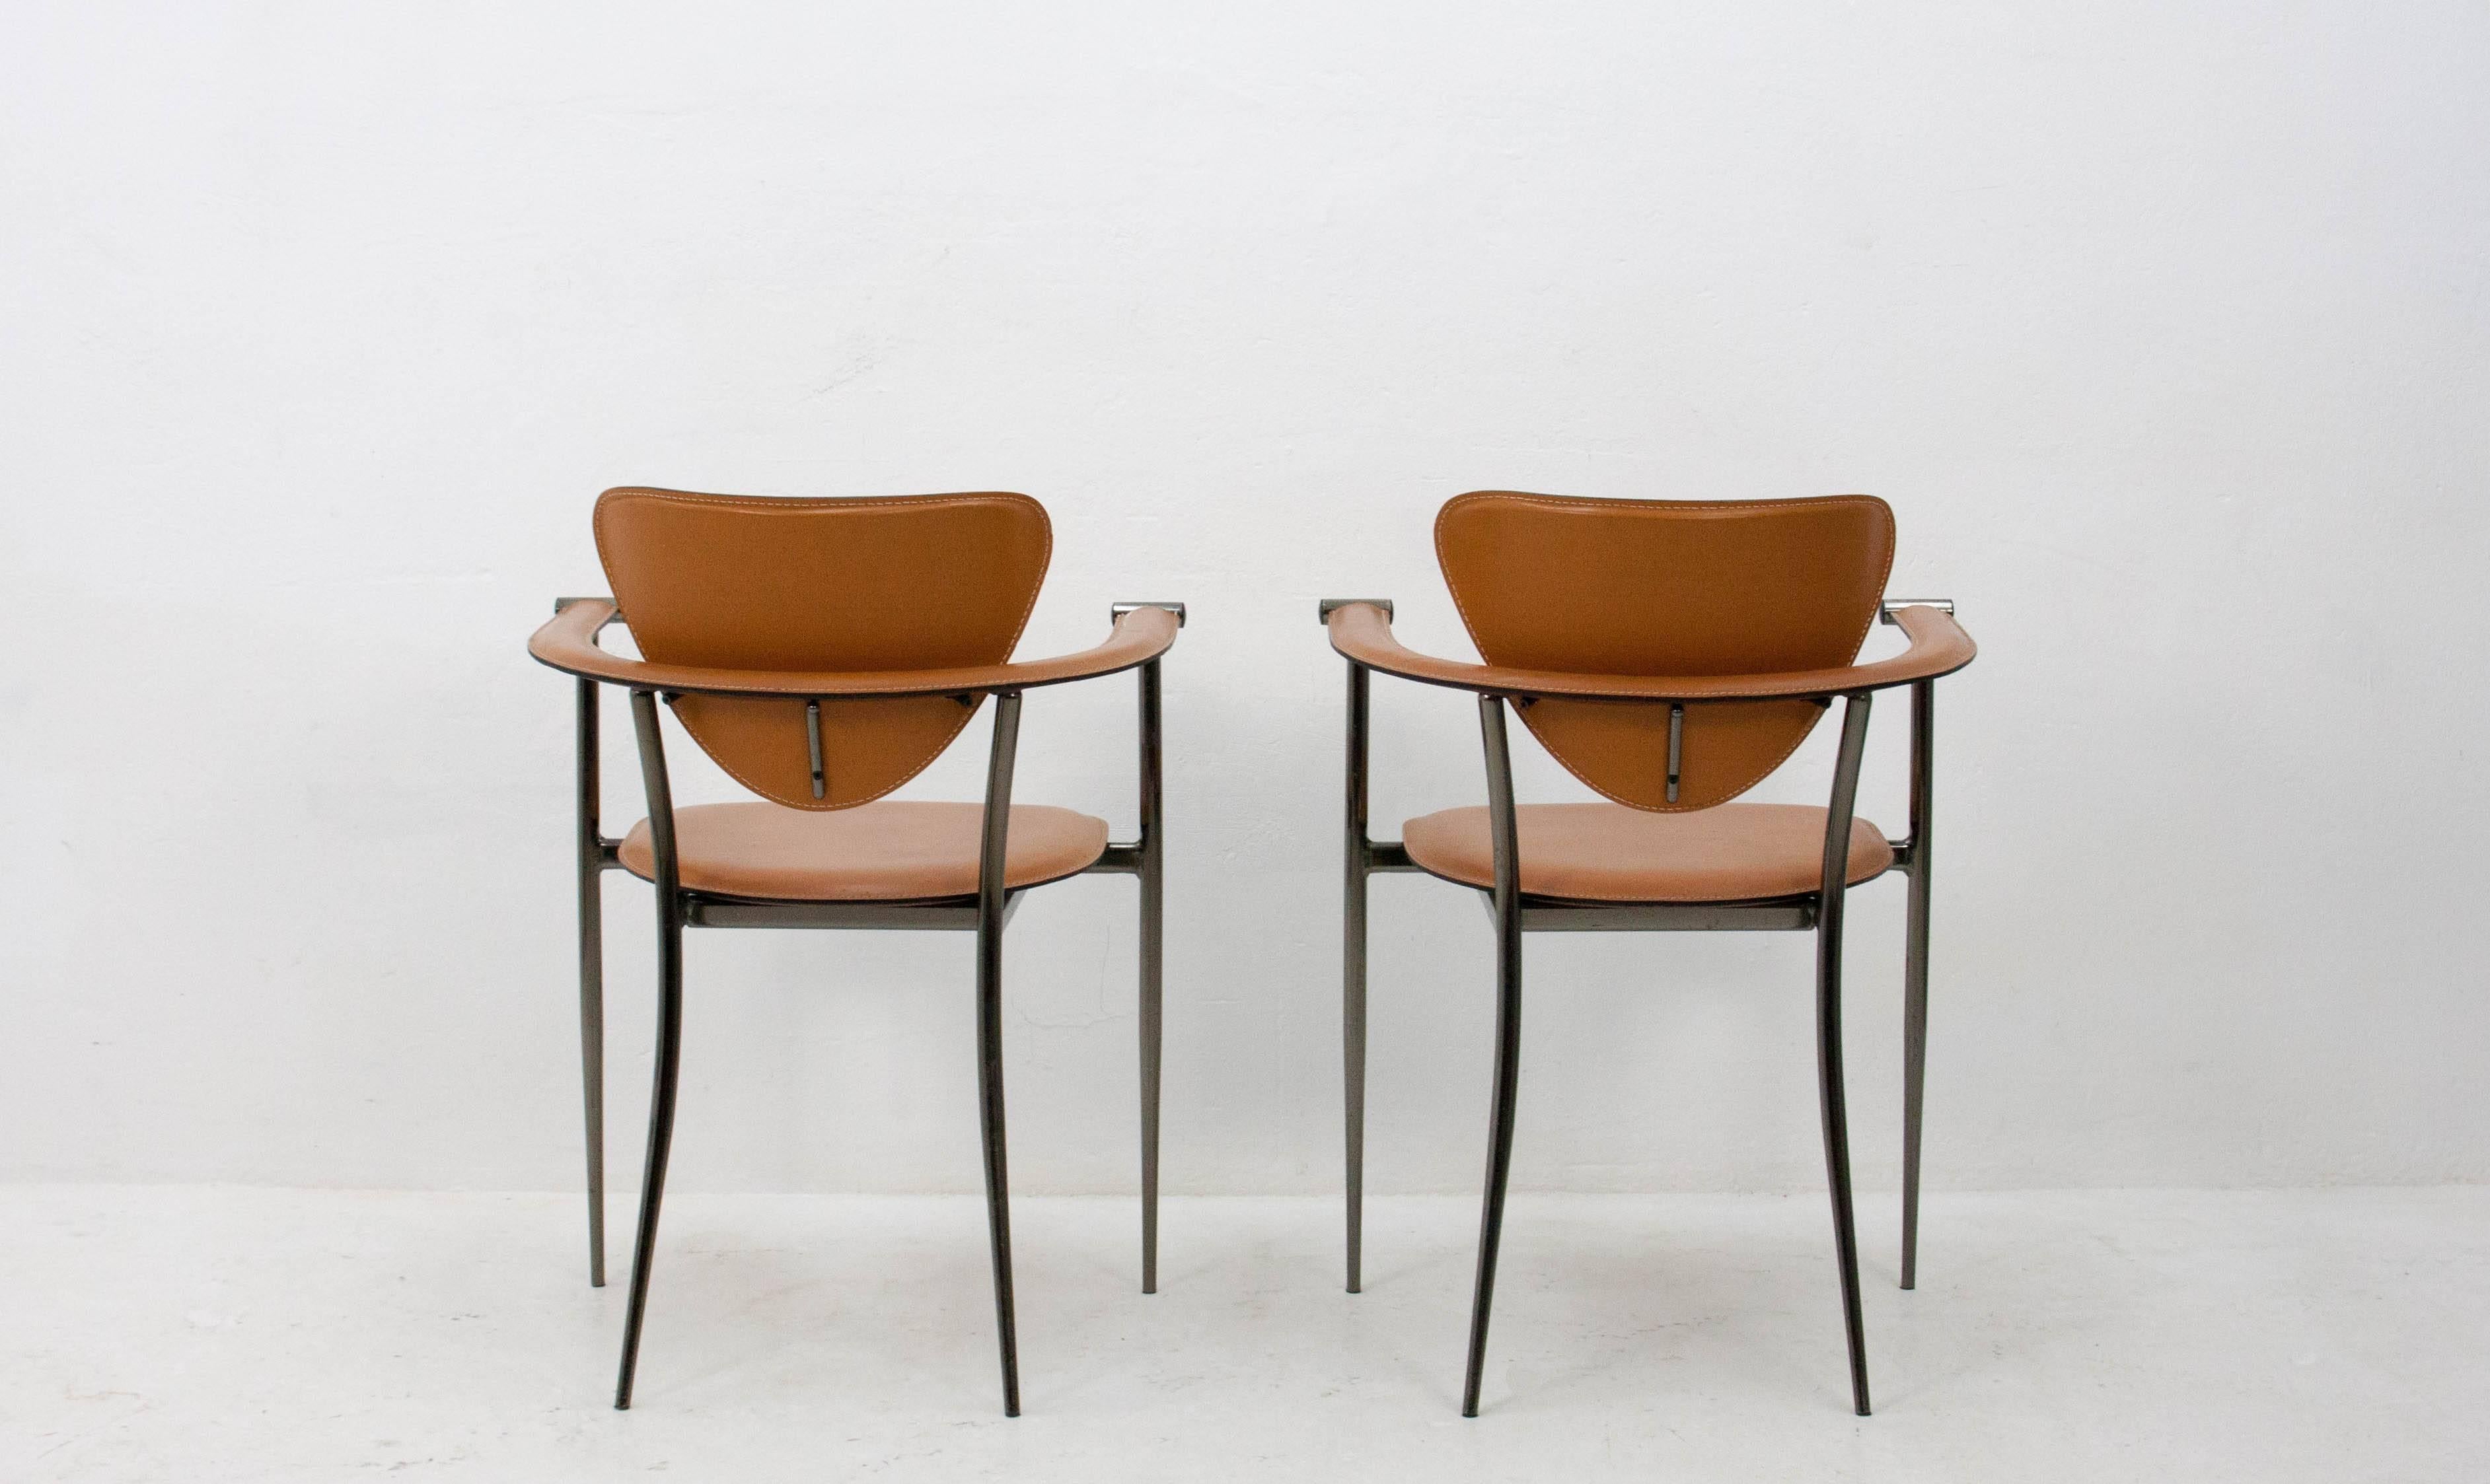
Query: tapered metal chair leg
point(1353, 986)
point(1499, 1163)
point(661, 1138)
point(1915, 973)
point(989, 1107)
point(1833, 899)
point(1508, 1039)
point(1352, 1051)
point(591, 978)
point(1837, 1161)
point(1914, 1067)
point(1153, 892)
point(1151, 1037)
point(991, 901)
point(591, 1076)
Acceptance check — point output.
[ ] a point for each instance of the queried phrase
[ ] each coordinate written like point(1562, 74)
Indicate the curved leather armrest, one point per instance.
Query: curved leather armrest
point(568, 643)
point(1361, 632)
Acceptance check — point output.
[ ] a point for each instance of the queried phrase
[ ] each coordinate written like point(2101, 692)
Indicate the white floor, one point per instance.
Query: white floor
point(202, 1334)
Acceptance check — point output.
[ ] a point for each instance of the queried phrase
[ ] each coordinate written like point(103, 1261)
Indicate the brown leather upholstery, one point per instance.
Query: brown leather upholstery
point(1600, 852)
point(925, 582)
point(567, 641)
point(895, 850)
point(1666, 587)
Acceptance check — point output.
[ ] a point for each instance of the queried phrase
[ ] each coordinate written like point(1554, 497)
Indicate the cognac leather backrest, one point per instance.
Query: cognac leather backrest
point(921, 583)
point(1666, 587)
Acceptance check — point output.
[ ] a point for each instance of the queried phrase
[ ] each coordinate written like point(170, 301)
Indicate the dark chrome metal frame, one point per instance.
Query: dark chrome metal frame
point(986, 913)
point(1515, 913)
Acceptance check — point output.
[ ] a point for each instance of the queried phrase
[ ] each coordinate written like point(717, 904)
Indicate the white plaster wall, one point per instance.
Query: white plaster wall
point(2161, 326)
